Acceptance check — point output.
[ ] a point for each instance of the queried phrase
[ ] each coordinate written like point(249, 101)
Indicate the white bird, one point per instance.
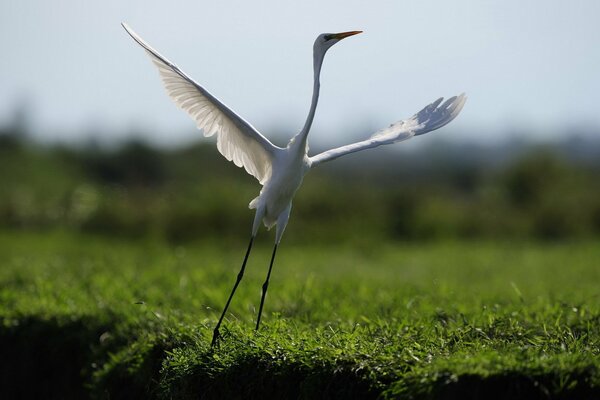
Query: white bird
point(279, 170)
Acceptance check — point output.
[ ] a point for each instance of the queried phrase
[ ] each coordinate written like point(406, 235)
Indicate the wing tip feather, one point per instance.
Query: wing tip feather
point(215, 120)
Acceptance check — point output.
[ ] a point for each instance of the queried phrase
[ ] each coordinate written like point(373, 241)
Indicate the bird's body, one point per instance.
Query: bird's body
point(280, 170)
point(275, 199)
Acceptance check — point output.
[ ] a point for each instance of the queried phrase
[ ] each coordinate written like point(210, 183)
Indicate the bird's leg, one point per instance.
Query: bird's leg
point(216, 334)
point(265, 287)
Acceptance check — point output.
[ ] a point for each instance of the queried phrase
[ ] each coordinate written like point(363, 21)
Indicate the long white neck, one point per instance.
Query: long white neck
point(301, 138)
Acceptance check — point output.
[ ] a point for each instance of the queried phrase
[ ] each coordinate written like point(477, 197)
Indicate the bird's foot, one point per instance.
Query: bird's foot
point(215, 339)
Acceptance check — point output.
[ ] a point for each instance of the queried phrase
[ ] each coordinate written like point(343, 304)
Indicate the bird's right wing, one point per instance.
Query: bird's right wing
point(237, 140)
point(432, 117)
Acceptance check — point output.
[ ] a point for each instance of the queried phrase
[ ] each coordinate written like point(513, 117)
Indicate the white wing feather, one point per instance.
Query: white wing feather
point(237, 140)
point(432, 117)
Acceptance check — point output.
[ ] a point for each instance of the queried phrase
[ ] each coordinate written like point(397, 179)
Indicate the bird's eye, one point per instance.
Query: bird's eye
point(328, 37)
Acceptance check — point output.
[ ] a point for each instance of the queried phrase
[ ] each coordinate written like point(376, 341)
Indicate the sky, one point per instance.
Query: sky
point(526, 66)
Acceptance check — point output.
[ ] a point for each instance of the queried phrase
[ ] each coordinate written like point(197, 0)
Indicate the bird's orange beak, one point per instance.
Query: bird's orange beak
point(342, 35)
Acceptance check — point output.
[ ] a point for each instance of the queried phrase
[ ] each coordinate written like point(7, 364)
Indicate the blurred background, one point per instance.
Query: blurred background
point(89, 141)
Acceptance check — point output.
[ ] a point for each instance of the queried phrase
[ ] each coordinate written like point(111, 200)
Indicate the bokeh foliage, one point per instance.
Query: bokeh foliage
point(192, 193)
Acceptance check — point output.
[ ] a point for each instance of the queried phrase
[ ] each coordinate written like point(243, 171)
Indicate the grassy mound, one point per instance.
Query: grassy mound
point(88, 317)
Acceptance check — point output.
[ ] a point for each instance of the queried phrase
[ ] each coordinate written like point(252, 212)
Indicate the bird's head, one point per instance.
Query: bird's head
point(325, 40)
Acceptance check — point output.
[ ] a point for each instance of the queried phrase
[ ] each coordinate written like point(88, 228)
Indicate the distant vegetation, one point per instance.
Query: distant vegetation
point(438, 192)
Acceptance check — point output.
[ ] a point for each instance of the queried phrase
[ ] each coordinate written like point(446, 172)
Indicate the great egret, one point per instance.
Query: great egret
point(279, 170)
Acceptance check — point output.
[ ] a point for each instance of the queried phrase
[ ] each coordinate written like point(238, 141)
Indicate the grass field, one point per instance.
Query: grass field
point(94, 317)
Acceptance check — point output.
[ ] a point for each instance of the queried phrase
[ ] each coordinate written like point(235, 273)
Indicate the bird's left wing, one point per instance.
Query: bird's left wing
point(237, 140)
point(432, 117)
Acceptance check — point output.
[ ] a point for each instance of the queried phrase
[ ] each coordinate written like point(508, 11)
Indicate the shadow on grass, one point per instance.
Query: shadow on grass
point(66, 359)
point(503, 386)
point(46, 359)
point(516, 386)
point(256, 378)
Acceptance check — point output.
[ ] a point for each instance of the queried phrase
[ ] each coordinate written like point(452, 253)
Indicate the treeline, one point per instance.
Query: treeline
point(191, 193)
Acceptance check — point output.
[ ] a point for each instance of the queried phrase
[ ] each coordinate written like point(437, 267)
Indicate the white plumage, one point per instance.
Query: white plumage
point(280, 170)
point(428, 119)
point(237, 140)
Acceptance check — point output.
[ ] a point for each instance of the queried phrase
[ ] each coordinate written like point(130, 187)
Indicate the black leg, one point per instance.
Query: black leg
point(237, 282)
point(265, 287)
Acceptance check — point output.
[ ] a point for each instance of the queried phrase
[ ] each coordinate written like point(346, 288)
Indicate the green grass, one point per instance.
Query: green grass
point(84, 316)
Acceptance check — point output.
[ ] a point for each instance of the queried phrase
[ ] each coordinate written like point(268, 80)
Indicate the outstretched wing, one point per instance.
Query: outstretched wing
point(432, 117)
point(237, 140)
